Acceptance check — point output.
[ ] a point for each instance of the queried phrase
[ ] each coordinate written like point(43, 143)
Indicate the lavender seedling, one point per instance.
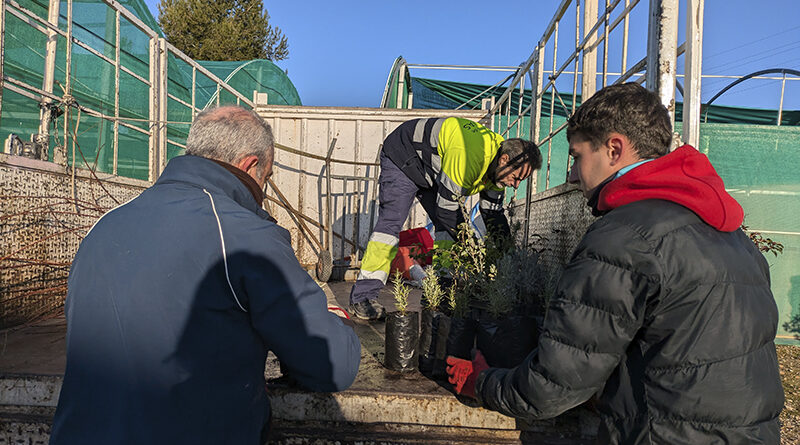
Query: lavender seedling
point(432, 289)
point(400, 292)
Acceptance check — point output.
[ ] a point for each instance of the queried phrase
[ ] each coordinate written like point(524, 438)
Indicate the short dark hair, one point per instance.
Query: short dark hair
point(628, 109)
point(521, 151)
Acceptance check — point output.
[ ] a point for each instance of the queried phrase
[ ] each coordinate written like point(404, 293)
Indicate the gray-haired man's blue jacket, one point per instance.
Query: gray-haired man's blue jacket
point(174, 300)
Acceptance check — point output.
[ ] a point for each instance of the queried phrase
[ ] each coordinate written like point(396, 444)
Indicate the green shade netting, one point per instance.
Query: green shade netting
point(93, 84)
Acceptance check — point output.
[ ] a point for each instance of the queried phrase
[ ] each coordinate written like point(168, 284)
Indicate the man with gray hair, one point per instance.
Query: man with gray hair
point(176, 297)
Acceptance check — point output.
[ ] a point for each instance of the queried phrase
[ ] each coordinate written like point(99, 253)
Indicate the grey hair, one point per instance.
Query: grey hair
point(230, 133)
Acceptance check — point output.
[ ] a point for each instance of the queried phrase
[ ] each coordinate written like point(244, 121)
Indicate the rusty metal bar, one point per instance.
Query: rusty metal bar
point(519, 108)
point(153, 110)
point(129, 16)
point(575, 73)
point(45, 116)
point(693, 69)
point(661, 51)
point(2, 51)
point(321, 158)
point(575, 69)
point(68, 68)
point(357, 218)
point(180, 101)
point(536, 99)
point(194, 92)
point(117, 64)
point(304, 229)
point(780, 106)
point(605, 45)
point(163, 85)
point(589, 79)
point(552, 107)
point(351, 178)
point(328, 198)
point(305, 217)
point(344, 212)
point(626, 27)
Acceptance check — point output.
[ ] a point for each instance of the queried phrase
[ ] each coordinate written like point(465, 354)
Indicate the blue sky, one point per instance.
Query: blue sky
point(341, 51)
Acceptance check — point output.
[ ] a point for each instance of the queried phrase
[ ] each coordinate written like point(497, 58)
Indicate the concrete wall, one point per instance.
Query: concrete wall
point(42, 220)
point(359, 133)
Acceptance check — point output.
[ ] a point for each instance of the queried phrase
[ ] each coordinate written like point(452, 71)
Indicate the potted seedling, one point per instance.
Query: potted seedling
point(434, 327)
point(507, 330)
point(402, 331)
point(462, 265)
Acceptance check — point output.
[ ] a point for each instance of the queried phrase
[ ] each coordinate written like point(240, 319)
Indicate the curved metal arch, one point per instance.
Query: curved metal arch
point(783, 71)
point(397, 68)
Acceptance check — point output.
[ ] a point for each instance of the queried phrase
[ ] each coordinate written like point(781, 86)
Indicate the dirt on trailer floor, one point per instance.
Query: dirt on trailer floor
point(789, 360)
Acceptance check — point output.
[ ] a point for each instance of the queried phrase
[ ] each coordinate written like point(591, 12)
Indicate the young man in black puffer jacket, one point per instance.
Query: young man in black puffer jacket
point(665, 307)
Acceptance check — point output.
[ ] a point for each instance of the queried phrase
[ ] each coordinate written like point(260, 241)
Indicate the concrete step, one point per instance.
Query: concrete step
point(16, 428)
point(430, 415)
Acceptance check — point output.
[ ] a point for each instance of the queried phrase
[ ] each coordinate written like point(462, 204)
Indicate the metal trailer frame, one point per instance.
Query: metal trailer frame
point(657, 68)
point(159, 50)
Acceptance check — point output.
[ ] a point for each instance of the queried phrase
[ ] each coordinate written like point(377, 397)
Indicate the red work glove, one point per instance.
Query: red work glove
point(463, 374)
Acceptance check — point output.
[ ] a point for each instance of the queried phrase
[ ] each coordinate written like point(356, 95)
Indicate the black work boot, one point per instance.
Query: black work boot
point(368, 310)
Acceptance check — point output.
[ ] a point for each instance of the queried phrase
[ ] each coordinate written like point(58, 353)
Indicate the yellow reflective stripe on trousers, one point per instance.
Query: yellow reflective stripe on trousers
point(377, 261)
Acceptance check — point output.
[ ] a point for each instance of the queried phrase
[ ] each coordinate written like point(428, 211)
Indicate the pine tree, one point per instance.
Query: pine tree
point(222, 29)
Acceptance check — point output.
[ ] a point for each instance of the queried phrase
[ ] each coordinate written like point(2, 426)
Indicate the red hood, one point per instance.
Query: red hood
point(684, 177)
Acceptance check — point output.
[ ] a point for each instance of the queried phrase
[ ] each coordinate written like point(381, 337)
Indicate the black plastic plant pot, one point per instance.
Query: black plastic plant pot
point(461, 337)
point(505, 342)
point(402, 339)
point(433, 342)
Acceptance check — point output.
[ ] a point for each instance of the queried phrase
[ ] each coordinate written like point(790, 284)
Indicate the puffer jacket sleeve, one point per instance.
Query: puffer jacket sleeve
point(596, 310)
point(289, 311)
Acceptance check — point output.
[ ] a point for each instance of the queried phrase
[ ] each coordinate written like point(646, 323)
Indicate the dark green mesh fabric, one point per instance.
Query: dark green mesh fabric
point(93, 84)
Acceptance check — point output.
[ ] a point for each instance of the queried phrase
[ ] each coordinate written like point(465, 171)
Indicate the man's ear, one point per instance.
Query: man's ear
point(247, 163)
point(616, 145)
point(503, 160)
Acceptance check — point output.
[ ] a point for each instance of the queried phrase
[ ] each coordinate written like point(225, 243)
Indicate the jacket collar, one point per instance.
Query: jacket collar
point(684, 176)
point(207, 174)
point(246, 179)
point(594, 200)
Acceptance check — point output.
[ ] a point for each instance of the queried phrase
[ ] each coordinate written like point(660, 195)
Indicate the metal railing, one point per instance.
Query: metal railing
point(592, 29)
point(53, 104)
